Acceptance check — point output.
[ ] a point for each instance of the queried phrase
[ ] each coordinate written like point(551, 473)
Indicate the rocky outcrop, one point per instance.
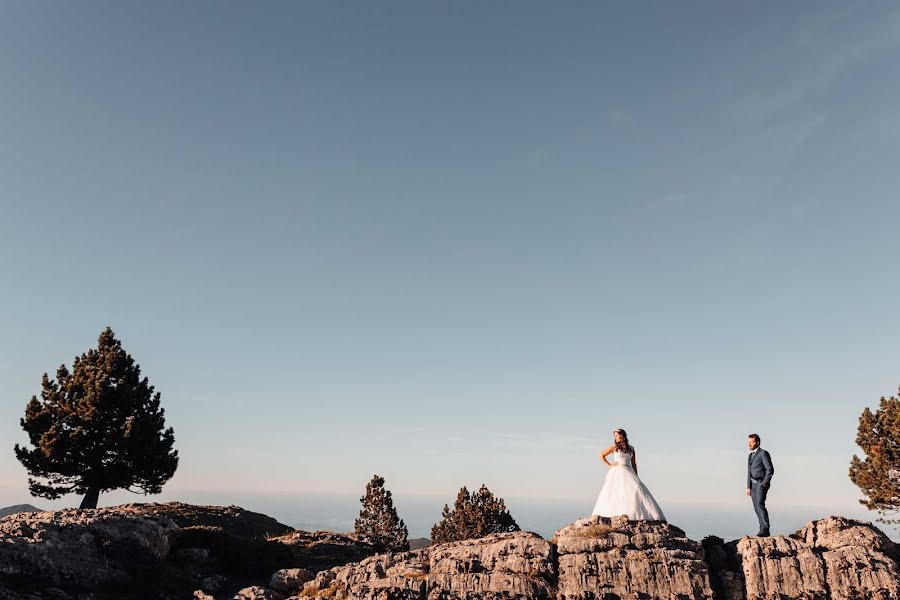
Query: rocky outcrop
point(319, 550)
point(256, 592)
point(503, 565)
point(399, 575)
point(498, 566)
point(833, 558)
point(81, 549)
point(140, 552)
point(233, 519)
point(593, 558)
point(618, 558)
point(857, 559)
point(780, 565)
point(290, 581)
point(159, 551)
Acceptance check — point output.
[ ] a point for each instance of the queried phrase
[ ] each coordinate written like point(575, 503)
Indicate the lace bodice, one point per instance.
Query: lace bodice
point(622, 459)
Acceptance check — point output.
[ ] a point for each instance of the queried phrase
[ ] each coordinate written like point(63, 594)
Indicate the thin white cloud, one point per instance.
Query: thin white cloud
point(797, 79)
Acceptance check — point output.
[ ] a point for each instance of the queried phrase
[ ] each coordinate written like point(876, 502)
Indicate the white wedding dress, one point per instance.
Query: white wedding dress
point(623, 493)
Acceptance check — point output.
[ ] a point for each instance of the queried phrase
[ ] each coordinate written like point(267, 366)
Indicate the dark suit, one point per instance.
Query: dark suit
point(759, 477)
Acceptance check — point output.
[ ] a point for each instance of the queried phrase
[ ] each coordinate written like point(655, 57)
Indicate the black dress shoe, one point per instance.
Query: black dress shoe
point(763, 534)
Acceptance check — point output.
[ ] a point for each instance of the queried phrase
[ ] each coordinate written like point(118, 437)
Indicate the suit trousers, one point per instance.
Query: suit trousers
point(758, 493)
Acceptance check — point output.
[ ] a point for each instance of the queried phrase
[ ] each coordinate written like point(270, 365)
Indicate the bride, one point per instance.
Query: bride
point(623, 493)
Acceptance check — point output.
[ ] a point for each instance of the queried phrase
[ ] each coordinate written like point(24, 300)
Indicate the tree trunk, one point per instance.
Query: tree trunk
point(91, 498)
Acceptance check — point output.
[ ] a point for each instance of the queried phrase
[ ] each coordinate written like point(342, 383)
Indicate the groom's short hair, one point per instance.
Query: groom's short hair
point(754, 436)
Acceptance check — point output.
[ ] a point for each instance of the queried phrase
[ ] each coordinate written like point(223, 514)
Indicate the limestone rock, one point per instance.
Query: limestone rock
point(834, 558)
point(397, 576)
point(503, 565)
point(320, 550)
point(858, 559)
point(233, 519)
point(601, 557)
point(137, 552)
point(780, 567)
point(81, 549)
point(257, 592)
point(290, 581)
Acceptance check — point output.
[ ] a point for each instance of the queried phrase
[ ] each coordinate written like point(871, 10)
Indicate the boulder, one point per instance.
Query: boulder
point(834, 558)
point(81, 549)
point(617, 558)
point(399, 576)
point(290, 581)
point(503, 565)
point(780, 567)
point(257, 592)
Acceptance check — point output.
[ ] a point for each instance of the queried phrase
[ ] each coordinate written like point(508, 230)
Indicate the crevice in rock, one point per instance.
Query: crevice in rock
point(722, 562)
point(817, 550)
point(554, 563)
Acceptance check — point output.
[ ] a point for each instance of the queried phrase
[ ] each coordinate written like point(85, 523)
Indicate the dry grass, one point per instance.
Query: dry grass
point(330, 592)
point(415, 575)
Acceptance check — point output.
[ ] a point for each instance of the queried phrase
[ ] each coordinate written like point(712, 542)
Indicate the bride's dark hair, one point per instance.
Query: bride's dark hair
point(622, 446)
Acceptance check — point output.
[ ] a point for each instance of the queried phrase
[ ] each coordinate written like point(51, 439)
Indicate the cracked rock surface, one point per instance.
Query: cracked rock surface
point(829, 559)
point(174, 551)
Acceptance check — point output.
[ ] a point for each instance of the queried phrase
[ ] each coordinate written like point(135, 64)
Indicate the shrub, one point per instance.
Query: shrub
point(474, 515)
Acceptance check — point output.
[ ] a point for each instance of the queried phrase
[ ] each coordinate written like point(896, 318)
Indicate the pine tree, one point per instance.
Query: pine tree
point(473, 516)
point(453, 522)
point(96, 429)
point(878, 475)
point(378, 518)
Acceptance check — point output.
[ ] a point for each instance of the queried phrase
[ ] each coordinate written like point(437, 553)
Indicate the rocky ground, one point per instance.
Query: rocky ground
point(180, 551)
point(832, 559)
point(157, 551)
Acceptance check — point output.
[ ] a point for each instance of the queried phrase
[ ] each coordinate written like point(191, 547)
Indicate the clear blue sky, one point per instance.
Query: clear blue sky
point(455, 243)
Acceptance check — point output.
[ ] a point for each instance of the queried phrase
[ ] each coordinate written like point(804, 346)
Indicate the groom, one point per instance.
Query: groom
point(759, 476)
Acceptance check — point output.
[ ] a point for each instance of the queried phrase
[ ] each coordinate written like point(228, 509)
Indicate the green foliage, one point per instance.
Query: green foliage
point(96, 429)
point(378, 518)
point(473, 516)
point(878, 474)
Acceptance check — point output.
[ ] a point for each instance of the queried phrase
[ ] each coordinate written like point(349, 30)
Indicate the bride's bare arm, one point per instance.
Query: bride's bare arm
point(606, 453)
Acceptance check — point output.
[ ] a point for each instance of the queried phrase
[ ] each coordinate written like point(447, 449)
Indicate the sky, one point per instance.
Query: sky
point(460, 243)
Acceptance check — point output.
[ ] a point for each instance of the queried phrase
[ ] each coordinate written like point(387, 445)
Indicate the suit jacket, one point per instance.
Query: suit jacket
point(759, 467)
